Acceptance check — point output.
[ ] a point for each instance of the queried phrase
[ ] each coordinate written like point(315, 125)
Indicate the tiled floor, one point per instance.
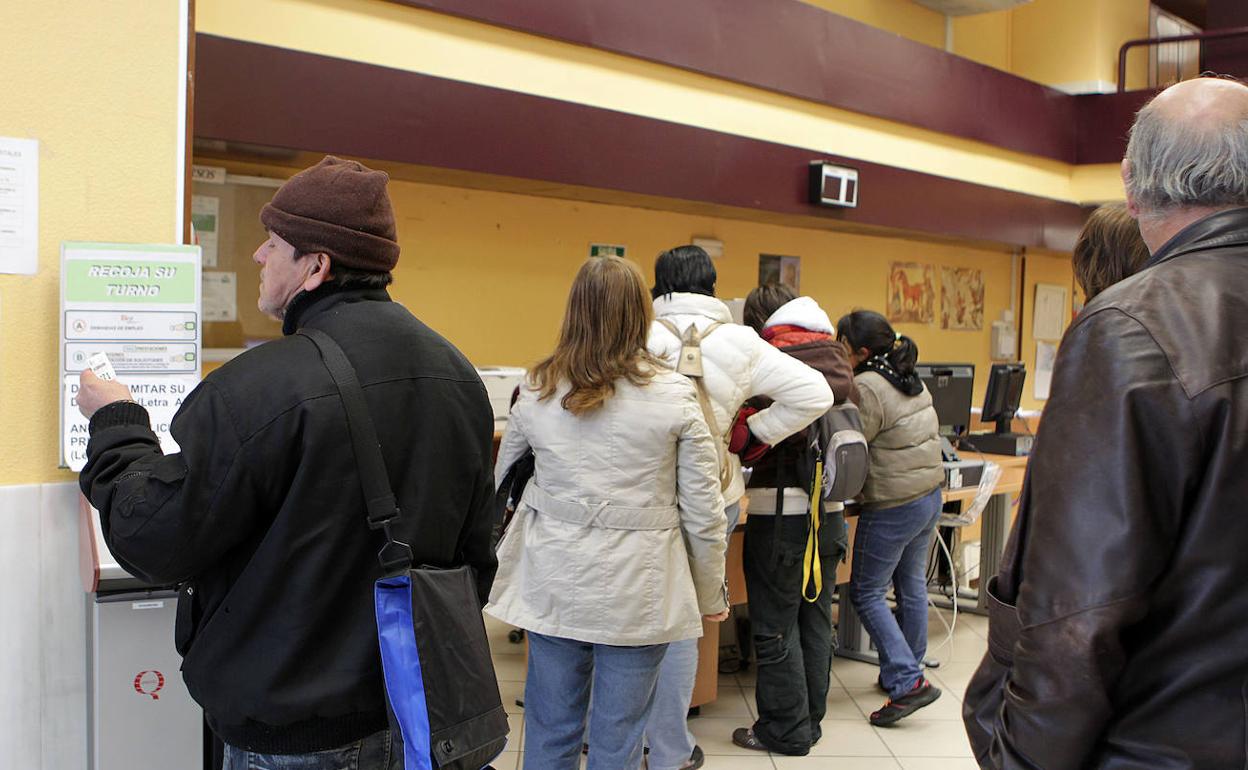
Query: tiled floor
point(933, 739)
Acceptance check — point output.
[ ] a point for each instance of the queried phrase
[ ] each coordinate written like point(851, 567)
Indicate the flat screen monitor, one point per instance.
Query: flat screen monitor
point(1004, 392)
point(950, 386)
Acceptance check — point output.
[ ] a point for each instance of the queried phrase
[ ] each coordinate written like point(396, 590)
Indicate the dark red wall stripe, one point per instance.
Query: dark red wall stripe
point(261, 95)
point(798, 49)
point(1104, 124)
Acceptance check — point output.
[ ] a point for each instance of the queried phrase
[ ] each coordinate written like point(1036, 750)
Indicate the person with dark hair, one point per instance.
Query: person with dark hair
point(1118, 634)
point(736, 365)
point(261, 515)
point(900, 508)
point(1109, 249)
point(617, 546)
point(685, 269)
point(792, 637)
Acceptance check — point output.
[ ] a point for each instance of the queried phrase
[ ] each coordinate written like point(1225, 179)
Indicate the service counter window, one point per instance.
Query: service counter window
point(226, 215)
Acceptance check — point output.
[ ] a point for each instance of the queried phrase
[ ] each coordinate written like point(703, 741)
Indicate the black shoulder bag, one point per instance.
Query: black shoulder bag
point(441, 689)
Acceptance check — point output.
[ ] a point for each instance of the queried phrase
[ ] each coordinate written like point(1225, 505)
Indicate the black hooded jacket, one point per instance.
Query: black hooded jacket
point(261, 519)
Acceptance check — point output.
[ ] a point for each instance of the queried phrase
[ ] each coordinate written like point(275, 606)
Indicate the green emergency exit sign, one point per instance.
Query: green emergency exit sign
point(606, 250)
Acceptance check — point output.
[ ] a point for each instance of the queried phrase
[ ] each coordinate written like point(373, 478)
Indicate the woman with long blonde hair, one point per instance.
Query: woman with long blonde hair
point(617, 546)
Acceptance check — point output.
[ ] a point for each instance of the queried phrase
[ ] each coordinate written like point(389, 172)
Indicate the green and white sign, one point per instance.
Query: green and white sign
point(607, 250)
point(129, 282)
point(140, 305)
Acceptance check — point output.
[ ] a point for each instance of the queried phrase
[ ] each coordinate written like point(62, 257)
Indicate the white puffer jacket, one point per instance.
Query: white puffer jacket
point(619, 538)
point(737, 365)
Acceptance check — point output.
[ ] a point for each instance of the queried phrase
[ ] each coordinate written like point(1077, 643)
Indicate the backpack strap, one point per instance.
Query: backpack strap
point(692, 338)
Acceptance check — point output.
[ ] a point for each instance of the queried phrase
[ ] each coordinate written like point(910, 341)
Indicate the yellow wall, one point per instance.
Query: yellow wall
point(491, 270)
point(392, 35)
point(904, 17)
point(96, 84)
point(1120, 21)
point(985, 38)
point(1072, 41)
point(1056, 42)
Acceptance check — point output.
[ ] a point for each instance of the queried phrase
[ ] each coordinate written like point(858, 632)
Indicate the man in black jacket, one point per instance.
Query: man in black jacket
point(260, 517)
point(1119, 629)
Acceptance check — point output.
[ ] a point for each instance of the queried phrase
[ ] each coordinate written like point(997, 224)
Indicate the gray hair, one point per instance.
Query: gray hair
point(1175, 163)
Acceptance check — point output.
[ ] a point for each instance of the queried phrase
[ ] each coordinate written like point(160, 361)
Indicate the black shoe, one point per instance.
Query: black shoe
point(922, 694)
point(746, 739)
point(696, 759)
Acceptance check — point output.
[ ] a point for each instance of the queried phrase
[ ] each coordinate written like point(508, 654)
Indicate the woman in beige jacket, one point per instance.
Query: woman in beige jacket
point(900, 508)
point(617, 547)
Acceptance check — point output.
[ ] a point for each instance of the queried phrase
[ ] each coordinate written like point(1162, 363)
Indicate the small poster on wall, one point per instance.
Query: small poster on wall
point(1051, 312)
point(962, 299)
point(1046, 357)
point(911, 293)
point(773, 268)
point(205, 216)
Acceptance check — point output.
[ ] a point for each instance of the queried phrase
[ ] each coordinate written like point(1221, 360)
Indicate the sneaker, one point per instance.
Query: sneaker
point(696, 759)
point(922, 694)
point(746, 739)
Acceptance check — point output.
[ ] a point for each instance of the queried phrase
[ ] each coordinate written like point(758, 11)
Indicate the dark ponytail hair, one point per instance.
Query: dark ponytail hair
point(763, 301)
point(868, 329)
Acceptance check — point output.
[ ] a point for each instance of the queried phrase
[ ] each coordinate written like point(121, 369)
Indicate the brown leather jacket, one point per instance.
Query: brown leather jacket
point(1127, 646)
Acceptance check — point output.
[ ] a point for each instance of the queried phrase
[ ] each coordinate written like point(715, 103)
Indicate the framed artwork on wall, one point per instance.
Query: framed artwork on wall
point(911, 293)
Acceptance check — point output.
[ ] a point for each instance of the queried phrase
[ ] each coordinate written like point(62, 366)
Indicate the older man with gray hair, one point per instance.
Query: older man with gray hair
point(1119, 628)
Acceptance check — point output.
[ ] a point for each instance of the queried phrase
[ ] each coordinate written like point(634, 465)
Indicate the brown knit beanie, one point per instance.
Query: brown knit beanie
point(339, 207)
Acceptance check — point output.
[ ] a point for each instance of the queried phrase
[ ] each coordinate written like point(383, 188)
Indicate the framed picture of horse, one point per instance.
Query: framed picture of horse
point(911, 293)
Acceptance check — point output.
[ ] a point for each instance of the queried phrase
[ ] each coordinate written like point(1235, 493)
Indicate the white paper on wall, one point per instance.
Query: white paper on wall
point(19, 206)
point(1046, 357)
point(220, 296)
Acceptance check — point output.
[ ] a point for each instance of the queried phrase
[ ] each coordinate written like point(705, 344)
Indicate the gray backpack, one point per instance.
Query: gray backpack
point(836, 439)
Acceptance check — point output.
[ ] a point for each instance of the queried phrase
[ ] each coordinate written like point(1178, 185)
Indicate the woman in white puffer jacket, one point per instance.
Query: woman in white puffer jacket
point(617, 546)
point(737, 365)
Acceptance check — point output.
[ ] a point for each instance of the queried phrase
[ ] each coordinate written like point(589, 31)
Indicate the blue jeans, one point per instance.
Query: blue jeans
point(557, 698)
point(372, 753)
point(891, 546)
point(667, 731)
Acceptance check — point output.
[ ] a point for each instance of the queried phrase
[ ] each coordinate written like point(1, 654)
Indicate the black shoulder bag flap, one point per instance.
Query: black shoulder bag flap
point(441, 690)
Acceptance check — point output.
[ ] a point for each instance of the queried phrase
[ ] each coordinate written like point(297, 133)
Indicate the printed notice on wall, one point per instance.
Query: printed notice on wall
point(1046, 357)
point(140, 306)
point(220, 296)
point(19, 206)
point(206, 219)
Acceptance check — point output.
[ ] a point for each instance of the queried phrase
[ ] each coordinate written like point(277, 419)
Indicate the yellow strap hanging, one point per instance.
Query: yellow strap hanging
point(812, 563)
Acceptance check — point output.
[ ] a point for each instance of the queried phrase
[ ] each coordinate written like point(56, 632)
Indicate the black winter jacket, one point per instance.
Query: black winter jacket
point(1128, 643)
point(261, 518)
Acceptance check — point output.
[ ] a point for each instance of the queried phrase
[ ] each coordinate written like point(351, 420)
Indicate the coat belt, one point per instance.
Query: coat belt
point(604, 514)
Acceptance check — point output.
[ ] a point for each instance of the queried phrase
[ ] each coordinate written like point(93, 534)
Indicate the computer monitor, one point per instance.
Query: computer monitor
point(950, 386)
point(1005, 390)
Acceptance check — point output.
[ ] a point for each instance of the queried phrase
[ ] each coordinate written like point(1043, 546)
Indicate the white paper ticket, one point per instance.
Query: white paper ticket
point(102, 367)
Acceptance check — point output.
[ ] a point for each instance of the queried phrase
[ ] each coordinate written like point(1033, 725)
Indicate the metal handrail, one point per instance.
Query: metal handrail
point(1216, 34)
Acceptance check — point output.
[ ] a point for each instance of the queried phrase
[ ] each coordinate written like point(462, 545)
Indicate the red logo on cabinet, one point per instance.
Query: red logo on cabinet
point(149, 683)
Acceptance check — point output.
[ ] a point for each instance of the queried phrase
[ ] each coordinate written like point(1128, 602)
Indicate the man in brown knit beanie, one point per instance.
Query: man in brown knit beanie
point(333, 220)
point(261, 519)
